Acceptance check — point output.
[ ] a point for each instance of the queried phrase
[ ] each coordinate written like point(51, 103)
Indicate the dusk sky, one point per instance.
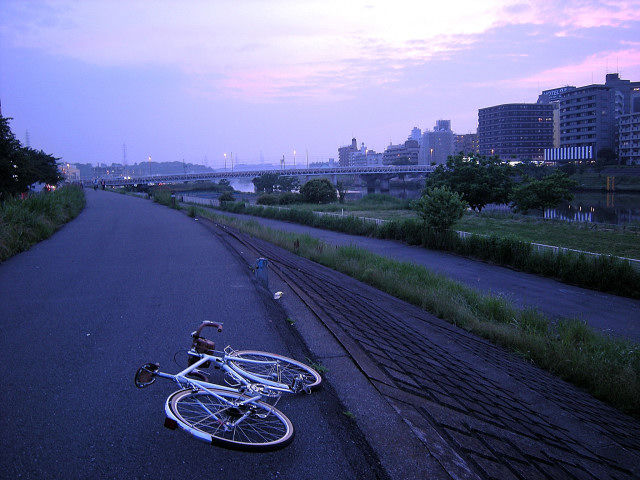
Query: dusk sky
point(194, 79)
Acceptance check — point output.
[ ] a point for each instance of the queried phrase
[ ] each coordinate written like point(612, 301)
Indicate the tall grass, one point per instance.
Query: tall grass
point(164, 196)
point(603, 273)
point(606, 367)
point(26, 222)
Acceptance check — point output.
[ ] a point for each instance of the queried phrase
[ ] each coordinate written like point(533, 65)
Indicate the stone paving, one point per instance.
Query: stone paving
point(480, 410)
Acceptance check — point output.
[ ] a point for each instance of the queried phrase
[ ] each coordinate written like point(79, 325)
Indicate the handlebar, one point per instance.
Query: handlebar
point(206, 323)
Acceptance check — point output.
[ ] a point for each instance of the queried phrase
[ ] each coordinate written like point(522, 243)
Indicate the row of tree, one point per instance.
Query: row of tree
point(22, 166)
point(482, 180)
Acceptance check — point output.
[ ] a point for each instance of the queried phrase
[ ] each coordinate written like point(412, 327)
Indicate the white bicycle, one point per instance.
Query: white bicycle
point(235, 415)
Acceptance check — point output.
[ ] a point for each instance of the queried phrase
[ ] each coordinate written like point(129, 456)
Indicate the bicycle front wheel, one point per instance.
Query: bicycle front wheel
point(275, 368)
point(221, 420)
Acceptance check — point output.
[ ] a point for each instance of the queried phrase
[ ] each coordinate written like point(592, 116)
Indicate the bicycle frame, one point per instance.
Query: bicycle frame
point(184, 381)
point(223, 362)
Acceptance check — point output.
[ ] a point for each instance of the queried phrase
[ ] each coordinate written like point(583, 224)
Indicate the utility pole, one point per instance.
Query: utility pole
point(282, 163)
point(27, 140)
point(307, 152)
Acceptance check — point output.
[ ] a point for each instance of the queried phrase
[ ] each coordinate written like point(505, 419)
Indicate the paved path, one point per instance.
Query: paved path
point(482, 412)
point(605, 312)
point(123, 284)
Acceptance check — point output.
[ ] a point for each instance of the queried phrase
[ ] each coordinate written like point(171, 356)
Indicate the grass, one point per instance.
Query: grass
point(607, 274)
point(318, 367)
point(621, 241)
point(24, 223)
point(608, 368)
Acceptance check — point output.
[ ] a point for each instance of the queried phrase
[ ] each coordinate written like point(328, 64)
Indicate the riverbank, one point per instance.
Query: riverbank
point(608, 368)
point(603, 273)
point(25, 222)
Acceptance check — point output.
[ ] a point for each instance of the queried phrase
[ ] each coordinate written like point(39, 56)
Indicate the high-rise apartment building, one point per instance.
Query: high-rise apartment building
point(404, 152)
point(416, 134)
point(437, 145)
point(516, 131)
point(553, 97)
point(629, 131)
point(589, 117)
point(344, 153)
point(466, 143)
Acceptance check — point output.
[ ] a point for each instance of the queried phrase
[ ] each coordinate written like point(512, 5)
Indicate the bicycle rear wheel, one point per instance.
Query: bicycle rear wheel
point(208, 417)
point(276, 368)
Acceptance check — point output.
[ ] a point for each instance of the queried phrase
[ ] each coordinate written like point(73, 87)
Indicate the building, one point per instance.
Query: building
point(406, 153)
point(629, 132)
point(437, 145)
point(589, 117)
point(366, 158)
point(516, 131)
point(69, 172)
point(344, 153)
point(466, 143)
point(553, 97)
point(416, 134)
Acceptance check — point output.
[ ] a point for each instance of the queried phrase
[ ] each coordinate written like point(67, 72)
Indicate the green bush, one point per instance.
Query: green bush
point(226, 197)
point(267, 199)
point(440, 208)
point(289, 198)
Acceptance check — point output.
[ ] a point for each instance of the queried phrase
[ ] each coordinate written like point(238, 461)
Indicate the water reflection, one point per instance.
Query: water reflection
point(615, 208)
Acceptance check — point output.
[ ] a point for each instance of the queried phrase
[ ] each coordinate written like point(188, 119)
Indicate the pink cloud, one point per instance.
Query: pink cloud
point(626, 61)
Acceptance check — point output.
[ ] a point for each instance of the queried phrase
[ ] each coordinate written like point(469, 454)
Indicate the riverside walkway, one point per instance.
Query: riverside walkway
point(121, 285)
point(608, 313)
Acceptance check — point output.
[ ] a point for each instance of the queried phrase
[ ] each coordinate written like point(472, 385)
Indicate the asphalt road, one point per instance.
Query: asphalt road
point(608, 313)
point(123, 284)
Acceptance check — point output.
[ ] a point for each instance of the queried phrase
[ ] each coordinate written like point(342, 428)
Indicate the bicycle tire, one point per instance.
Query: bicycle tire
point(192, 411)
point(284, 372)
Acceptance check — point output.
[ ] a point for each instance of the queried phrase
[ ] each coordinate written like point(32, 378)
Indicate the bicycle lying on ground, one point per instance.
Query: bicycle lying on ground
point(236, 415)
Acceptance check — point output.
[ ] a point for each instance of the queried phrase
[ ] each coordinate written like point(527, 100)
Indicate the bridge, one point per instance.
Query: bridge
point(305, 172)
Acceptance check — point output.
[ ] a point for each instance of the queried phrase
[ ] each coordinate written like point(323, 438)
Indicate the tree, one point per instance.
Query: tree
point(545, 193)
point(273, 182)
point(319, 190)
point(478, 179)
point(440, 208)
point(22, 166)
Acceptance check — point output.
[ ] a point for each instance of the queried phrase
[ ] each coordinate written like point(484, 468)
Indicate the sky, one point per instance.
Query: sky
point(191, 80)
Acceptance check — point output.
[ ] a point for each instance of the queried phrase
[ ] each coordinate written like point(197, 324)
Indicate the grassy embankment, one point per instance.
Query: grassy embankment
point(622, 241)
point(603, 273)
point(26, 222)
point(606, 239)
point(608, 368)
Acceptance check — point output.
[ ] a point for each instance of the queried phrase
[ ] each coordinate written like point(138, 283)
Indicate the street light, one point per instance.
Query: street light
point(294, 158)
